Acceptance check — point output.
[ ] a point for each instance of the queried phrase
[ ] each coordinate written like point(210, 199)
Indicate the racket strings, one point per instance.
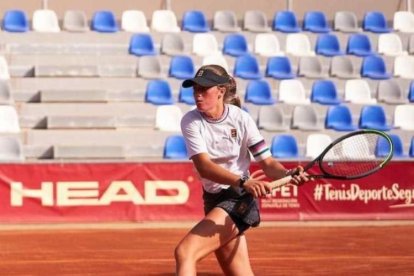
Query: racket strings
point(353, 156)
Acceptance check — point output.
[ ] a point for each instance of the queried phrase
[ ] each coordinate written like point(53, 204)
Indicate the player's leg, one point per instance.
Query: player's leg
point(234, 257)
point(214, 231)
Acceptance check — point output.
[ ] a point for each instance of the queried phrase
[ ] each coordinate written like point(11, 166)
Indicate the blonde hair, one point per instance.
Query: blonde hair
point(230, 96)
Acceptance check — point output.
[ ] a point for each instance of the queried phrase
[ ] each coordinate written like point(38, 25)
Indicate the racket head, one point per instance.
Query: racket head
point(353, 155)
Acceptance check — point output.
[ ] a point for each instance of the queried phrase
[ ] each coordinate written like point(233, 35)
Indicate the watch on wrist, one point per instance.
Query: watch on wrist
point(243, 180)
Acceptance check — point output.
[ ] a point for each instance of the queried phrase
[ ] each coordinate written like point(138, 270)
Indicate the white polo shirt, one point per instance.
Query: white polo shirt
point(230, 141)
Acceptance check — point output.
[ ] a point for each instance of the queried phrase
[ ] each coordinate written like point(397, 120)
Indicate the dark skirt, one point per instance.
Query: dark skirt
point(242, 207)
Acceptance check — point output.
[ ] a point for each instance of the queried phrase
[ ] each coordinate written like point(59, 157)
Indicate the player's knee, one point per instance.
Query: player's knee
point(181, 253)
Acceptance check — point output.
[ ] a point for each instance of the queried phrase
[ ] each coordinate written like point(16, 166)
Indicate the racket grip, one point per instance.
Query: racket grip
point(281, 182)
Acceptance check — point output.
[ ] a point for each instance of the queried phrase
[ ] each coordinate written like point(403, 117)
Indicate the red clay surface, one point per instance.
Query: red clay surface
point(287, 250)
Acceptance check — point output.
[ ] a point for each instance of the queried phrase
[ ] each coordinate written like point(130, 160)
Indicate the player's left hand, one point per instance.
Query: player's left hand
point(299, 176)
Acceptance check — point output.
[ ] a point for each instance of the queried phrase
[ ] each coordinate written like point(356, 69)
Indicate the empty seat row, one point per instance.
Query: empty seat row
point(338, 118)
point(168, 117)
point(358, 91)
point(45, 20)
point(196, 21)
point(343, 21)
point(342, 67)
point(317, 22)
point(255, 92)
point(360, 44)
point(246, 67)
point(262, 44)
point(372, 67)
point(282, 146)
point(268, 44)
point(286, 146)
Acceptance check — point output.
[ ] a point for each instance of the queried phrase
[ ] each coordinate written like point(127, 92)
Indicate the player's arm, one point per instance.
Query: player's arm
point(275, 170)
point(209, 170)
point(272, 168)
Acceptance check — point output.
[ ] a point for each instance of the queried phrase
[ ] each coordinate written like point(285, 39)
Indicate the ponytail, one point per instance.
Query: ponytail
point(231, 96)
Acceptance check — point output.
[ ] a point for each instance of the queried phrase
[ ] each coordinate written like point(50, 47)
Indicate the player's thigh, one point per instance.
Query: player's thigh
point(234, 257)
point(214, 231)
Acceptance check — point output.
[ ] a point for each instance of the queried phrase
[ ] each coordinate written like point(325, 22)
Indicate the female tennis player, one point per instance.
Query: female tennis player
point(220, 139)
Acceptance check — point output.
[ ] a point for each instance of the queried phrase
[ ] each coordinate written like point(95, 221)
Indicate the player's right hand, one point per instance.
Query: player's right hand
point(256, 186)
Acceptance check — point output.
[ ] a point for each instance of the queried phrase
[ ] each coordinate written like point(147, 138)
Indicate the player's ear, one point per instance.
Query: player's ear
point(222, 91)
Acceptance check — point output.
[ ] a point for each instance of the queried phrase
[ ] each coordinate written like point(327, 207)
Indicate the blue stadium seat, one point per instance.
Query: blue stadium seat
point(324, 92)
point(411, 92)
point(339, 117)
point(181, 67)
point(175, 148)
point(359, 45)
point(142, 45)
point(158, 92)
point(284, 146)
point(235, 45)
point(104, 21)
point(15, 21)
point(186, 95)
point(279, 68)
point(375, 21)
point(286, 22)
point(247, 67)
point(195, 21)
point(315, 21)
point(259, 92)
point(411, 150)
point(328, 45)
point(382, 147)
point(373, 116)
point(374, 67)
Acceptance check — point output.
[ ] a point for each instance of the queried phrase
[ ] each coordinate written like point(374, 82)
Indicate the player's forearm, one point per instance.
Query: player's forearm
point(273, 168)
point(218, 174)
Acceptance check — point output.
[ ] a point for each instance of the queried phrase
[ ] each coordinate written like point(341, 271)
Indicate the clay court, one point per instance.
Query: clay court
point(275, 249)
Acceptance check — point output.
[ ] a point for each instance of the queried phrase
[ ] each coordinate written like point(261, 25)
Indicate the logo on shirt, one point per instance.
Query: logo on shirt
point(233, 133)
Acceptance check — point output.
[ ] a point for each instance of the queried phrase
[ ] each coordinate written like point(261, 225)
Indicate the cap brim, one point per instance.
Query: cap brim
point(200, 81)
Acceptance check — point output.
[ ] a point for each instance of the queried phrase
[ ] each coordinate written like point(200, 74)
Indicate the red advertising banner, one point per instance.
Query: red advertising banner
point(105, 192)
point(99, 192)
point(387, 194)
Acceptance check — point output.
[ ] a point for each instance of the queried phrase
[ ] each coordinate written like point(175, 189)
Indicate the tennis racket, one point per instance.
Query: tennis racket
point(351, 156)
